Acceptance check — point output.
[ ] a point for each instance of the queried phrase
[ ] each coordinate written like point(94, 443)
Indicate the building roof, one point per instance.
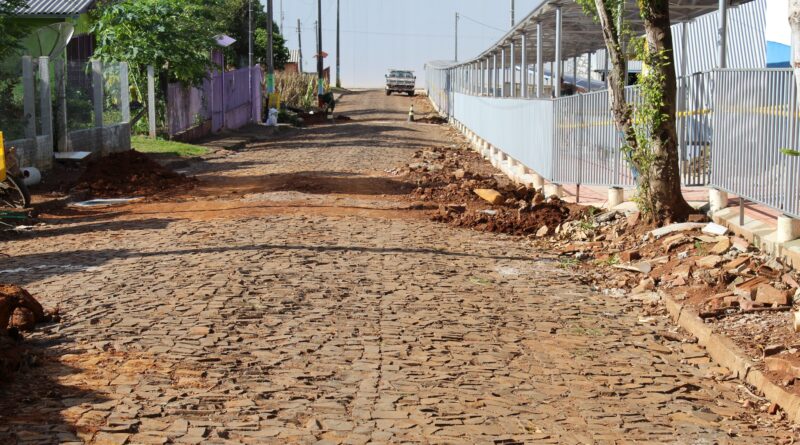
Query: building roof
point(55, 8)
point(580, 33)
point(294, 56)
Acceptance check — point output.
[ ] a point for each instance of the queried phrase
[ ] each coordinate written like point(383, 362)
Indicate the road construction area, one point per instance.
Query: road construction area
point(300, 293)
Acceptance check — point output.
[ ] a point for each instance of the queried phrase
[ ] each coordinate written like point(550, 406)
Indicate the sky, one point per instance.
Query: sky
point(404, 34)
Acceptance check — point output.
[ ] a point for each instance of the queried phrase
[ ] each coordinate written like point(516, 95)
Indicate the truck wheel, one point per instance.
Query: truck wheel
point(388, 92)
point(410, 94)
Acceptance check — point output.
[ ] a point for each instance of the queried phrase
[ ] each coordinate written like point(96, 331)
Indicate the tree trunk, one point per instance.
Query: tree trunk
point(621, 110)
point(794, 23)
point(665, 178)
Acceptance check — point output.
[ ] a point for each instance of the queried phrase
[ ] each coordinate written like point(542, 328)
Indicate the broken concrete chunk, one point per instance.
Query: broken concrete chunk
point(490, 195)
point(674, 228)
point(647, 284)
point(769, 295)
point(642, 267)
point(721, 247)
point(542, 231)
point(709, 262)
point(629, 255)
point(749, 287)
point(783, 366)
point(715, 229)
point(740, 244)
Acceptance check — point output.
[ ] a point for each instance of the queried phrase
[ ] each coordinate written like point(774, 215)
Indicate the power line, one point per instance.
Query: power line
point(482, 24)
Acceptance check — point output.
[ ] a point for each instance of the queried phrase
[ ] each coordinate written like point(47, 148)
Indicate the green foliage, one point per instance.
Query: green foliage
point(233, 19)
point(11, 30)
point(146, 145)
point(175, 36)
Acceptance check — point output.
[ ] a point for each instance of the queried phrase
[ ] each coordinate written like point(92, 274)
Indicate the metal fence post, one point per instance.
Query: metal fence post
point(29, 97)
point(46, 107)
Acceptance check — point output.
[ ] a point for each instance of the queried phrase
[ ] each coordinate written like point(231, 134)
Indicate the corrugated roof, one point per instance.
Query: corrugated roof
point(55, 8)
point(294, 56)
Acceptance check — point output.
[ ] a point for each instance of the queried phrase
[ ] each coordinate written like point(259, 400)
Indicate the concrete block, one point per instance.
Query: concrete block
point(553, 190)
point(616, 196)
point(717, 199)
point(538, 181)
point(788, 229)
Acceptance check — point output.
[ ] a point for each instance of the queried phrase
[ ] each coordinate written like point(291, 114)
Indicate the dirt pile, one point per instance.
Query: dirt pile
point(19, 311)
point(129, 174)
point(450, 178)
point(431, 120)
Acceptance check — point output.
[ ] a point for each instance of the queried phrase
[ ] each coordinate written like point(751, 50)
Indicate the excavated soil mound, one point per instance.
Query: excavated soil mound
point(432, 120)
point(129, 174)
point(19, 311)
point(450, 177)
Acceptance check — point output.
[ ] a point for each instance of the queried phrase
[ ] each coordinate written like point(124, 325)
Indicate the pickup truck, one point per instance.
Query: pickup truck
point(400, 81)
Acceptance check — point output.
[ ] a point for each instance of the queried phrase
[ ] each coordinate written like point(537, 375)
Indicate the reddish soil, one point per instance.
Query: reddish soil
point(449, 177)
point(130, 174)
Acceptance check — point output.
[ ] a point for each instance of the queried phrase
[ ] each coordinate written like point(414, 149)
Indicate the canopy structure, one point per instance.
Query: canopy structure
point(557, 30)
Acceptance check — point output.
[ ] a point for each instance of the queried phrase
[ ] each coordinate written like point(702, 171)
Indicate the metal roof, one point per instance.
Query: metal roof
point(580, 33)
point(55, 8)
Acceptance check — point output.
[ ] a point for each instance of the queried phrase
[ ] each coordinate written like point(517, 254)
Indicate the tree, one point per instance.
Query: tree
point(234, 23)
point(174, 36)
point(651, 140)
point(11, 30)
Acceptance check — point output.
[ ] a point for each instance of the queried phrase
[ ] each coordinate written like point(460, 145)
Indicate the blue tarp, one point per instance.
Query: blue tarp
point(778, 55)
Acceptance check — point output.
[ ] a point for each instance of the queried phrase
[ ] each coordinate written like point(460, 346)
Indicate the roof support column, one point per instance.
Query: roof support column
point(503, 72)
point(513, 64)
point(558, 74)
point(539, 61)
point(523, 72)
point(575, 73)
point(589, 72)
point(495, 75)
point(723, 34)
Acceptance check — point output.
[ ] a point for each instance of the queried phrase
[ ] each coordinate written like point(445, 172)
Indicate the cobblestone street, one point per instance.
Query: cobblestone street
point(297, 297)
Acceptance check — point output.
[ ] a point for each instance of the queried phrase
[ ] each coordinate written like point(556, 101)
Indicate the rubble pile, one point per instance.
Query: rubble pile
point(128, 174)
point(469, 193)
point(744, 293)
point(19, 311)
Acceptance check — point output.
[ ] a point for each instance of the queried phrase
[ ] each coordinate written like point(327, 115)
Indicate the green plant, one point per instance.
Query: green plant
point(610, 261)
point(567, 263)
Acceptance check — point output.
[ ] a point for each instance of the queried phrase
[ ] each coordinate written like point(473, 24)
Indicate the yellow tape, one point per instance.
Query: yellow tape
point(2, 159)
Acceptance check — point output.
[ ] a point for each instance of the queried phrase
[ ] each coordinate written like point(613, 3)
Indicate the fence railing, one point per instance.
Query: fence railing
point(732, 126)
point(755, 118)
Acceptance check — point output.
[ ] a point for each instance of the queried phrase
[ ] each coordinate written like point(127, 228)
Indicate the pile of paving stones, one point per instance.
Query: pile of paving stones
point(744, 293)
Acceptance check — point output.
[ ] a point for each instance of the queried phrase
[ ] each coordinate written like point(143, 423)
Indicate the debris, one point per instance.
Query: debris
point(721, 247)
point(490, 195)
point(796, 322)
point(709, 262)
point(459, 174)
point(542, 231)
point(105, 202)
point(748, 288)
point(643, 267)
point(629, 256)
point(18, 309)
point(673, 228)
point(607, 216)
point(646, 284)
point(715, 229)
point(769, 295)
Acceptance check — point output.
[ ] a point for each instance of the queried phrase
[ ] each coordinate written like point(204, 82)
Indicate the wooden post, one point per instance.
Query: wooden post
point(29, 97)
point(124, 92)
point(97, 90)
point(61, 103)
point(151, 101)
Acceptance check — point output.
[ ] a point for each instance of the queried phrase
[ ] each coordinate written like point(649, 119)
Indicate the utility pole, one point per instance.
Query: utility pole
point(250, 33)
point(513, 20)
point(456, 37)
point(320, 66)
point(282, 18)
point(270, 61)
point(338, 52)
point(299, 47)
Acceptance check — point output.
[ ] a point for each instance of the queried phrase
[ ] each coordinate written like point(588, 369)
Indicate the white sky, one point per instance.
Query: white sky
point(777, 21)
point(382, 34)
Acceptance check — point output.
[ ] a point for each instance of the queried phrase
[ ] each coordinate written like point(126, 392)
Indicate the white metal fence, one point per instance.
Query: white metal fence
point(732, 126)
point(755, 118)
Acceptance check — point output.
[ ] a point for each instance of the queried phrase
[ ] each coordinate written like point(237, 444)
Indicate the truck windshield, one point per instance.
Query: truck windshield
point(405, 74)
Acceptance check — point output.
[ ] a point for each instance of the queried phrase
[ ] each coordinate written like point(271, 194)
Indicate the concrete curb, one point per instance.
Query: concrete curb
point(723, 351)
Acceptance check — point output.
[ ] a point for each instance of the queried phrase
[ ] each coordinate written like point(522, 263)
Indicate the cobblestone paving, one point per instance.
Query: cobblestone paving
point(319, 329)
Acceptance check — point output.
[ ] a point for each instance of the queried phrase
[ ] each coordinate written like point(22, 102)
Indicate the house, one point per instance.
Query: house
point(293, 65)
point(39, 13)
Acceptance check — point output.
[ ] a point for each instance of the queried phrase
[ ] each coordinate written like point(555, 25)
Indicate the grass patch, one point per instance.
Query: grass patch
point(146, 145)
